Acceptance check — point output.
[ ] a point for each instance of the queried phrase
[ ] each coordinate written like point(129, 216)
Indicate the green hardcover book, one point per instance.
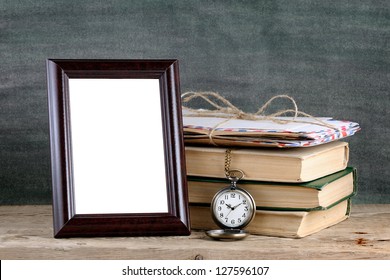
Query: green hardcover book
point(319, 194)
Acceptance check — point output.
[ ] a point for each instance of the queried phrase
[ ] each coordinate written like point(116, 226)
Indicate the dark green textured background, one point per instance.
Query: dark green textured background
point(331, 56)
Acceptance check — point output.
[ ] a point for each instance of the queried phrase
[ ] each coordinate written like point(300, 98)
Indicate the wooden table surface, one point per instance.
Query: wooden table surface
point(26, 232)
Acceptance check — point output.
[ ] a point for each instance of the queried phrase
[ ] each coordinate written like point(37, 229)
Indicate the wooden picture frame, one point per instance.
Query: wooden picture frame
point(103, 183)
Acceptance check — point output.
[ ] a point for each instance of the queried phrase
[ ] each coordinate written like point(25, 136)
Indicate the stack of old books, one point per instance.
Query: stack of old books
point(296, 170)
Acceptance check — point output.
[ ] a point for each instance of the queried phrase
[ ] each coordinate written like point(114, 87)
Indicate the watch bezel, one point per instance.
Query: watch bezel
point(213, 207)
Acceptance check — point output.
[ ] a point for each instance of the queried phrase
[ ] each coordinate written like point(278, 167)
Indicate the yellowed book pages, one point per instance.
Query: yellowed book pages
point(270, 164)
point(279, 223)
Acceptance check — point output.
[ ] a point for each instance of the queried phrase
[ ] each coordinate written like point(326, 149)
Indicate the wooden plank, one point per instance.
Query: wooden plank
point(26, 232)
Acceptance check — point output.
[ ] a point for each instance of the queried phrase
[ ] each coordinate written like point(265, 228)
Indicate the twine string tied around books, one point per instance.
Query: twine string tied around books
point(234, 112)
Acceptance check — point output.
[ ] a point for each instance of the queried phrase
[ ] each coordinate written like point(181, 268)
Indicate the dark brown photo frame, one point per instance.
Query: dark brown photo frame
point(67, 221)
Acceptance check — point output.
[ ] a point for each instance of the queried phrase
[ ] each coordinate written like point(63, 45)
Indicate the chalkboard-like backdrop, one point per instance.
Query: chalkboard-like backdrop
point(331, 56)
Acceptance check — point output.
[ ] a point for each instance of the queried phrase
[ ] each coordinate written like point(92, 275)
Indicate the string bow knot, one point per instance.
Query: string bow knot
point(229, 111)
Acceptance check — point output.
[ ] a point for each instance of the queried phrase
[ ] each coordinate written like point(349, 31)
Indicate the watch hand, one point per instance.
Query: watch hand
point(232, 208)
point(236, 206)
point(229, 212)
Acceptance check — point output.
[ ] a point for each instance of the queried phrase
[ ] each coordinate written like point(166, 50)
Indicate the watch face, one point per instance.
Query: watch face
point(233, 208)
